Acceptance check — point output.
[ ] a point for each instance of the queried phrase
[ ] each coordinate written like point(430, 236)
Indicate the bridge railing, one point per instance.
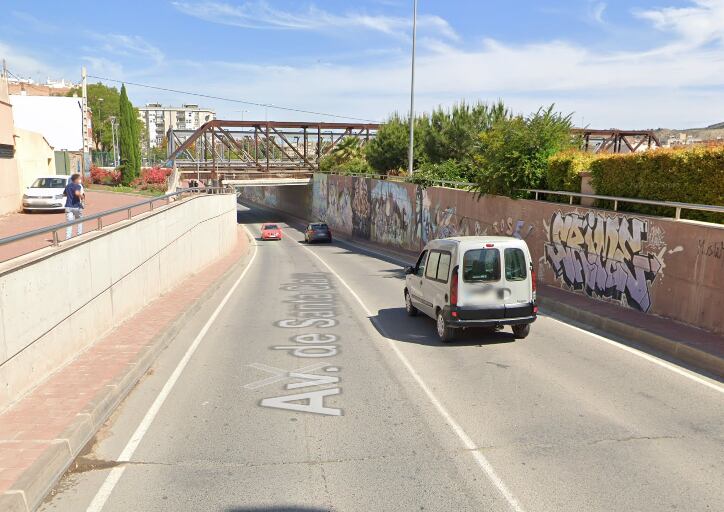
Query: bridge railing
point(676, 207)
point(96, 221)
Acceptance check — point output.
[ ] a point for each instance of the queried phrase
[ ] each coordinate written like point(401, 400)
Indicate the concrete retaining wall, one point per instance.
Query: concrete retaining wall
point(55, 307)
point(658, 266)
point(295, 200)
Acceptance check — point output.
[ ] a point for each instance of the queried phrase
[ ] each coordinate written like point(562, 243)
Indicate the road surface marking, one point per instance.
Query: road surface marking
point(648, 357)
point(99, 500)
point(653, 359)
point(462, 435)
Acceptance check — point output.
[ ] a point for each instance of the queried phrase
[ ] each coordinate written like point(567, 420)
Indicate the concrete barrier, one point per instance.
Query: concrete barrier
point(54, 307)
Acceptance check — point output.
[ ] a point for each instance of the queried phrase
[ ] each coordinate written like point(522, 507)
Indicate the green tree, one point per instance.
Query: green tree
point(128, 134)
point(346, 158)
point(104, 104)
point(513, 154)
point(388, 150)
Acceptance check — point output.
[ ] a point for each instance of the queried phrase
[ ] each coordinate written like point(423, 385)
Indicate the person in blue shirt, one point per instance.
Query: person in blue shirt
point(73, 204)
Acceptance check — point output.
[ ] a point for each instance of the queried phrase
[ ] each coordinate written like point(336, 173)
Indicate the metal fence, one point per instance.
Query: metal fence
point(676, 207)
point(97, 220)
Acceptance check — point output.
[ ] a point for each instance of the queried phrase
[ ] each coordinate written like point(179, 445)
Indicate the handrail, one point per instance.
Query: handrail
point(678, 206)
point(99, 216)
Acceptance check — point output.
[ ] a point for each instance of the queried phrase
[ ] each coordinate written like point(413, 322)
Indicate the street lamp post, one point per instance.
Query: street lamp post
point(411, 152)
point(100, 125)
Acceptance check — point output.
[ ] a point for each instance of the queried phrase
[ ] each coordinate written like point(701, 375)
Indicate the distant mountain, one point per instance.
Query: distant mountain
point(716, 126)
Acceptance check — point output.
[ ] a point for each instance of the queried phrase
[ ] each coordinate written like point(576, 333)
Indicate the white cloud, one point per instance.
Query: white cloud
point(260, 15)
point(25, 65)
point(699, 24)
point(128, 46)
point(596, 12)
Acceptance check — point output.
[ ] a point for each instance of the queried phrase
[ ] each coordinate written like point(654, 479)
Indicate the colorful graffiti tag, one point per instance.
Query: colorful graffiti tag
point(392, 220)
point(266, 196)
point(604, 256)
point(361, 208)
point(319, 197)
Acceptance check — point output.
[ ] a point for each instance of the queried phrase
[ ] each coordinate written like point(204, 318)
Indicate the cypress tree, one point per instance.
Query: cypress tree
point(130, 150)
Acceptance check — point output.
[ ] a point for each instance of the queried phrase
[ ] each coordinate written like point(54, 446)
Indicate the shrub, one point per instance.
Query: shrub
point(564, 172)
point(692, 175)
point(157, 175)
point(449, 170)
point(104, 177)
point(513, 154)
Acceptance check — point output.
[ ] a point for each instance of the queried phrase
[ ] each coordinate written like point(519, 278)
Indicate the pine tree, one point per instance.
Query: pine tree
point(128, 135)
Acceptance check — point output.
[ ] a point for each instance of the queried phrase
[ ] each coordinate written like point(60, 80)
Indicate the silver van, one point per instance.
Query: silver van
point(473, 281)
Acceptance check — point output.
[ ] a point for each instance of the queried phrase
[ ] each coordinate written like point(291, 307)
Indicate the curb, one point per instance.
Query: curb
point(31, 489)
point(676, 350)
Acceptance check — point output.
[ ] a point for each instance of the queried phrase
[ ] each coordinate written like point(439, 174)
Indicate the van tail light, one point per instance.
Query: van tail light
point(454, 288)
point(533, 279)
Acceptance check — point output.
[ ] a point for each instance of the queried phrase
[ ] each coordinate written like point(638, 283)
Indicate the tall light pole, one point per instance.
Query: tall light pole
point(411, 152)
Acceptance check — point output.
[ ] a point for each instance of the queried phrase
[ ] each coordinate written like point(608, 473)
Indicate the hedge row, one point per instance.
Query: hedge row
point(692, 175)
point(564, 172)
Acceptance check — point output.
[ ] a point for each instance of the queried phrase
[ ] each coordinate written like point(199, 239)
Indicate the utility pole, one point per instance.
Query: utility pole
point(84, 121)
point(411, 152)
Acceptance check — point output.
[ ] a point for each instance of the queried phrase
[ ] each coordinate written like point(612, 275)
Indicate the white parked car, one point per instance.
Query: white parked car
point(473, 281)
point(46, 193)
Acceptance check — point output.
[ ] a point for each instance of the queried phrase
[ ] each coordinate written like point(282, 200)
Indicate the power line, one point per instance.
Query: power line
point(265, 105)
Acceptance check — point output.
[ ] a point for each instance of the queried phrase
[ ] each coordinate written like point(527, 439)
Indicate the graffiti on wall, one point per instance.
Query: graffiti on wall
point(266, 196)
point(519, 229)
point(339, 206)
point(606, 256)
point(361, 208)
point(319, 197)
point(391, 220)
point(438, 221)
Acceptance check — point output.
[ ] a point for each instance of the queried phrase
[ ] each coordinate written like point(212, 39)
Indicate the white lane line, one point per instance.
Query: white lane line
point(648, 357)
point(99, 500)
point(462, 435)
point(640, 353)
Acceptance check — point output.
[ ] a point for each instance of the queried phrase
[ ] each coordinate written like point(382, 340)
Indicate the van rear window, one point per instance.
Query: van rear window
point(481, 265)
point(515, 268)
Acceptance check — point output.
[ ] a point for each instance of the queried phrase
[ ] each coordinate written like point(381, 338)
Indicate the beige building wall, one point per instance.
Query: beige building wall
point(34, 156)
point(10, 186)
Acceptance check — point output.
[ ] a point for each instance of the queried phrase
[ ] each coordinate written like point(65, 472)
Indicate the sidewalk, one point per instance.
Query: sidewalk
point(679, 342)
point(15, 223)
point(41, 435)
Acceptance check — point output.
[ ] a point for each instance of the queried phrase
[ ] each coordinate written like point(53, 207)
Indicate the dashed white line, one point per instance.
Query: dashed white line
point(467, 442)
point(99, 500)
point(653, 359)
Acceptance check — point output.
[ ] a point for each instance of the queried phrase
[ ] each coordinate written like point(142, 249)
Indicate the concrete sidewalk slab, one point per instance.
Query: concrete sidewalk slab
point(686, 344)
point(41, 435)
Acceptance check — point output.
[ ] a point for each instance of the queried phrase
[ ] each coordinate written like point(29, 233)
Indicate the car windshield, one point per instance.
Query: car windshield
point(270, 226)
point(49, 183)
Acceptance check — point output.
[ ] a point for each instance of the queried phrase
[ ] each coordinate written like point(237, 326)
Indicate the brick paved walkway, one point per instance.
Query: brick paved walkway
point(96, 201)
point(44, 425)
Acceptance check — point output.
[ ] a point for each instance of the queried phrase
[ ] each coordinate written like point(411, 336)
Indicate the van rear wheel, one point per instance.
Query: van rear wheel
point(520, 331)
point(411, 310)
point(444, 331)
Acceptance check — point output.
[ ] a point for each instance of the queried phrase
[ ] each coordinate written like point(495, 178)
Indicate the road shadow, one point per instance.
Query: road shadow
point(394, 323)
point(280, 508)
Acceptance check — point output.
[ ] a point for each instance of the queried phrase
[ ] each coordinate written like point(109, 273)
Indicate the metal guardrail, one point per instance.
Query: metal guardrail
point(677, 206)
point(98, 217)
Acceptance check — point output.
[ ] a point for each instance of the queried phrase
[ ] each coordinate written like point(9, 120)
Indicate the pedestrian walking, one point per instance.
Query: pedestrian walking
point(73, 204)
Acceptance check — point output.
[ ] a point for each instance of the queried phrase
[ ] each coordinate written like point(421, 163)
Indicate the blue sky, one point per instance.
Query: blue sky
point(613, 63)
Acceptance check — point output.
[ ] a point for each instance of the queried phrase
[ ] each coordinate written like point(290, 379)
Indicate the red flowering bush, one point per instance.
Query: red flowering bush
point(155, 175)
point(104, 177)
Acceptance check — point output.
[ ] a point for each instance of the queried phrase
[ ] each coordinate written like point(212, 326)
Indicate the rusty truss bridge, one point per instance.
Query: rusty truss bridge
point(616, 141)
point(242, 150)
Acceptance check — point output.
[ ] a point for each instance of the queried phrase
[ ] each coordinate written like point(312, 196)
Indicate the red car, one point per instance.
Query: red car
point(270, 232)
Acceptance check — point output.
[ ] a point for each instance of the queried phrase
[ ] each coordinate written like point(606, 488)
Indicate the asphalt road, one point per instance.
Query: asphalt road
point(312, 390)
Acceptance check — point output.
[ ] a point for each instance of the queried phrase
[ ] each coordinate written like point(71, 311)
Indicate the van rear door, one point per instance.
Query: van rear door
point(480, 284)
point(517, 289)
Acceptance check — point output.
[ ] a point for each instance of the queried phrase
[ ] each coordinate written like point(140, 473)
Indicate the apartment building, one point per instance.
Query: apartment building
point(157, 119)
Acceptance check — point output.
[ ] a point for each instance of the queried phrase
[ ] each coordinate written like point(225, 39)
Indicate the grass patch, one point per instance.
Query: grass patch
point(122, 189)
